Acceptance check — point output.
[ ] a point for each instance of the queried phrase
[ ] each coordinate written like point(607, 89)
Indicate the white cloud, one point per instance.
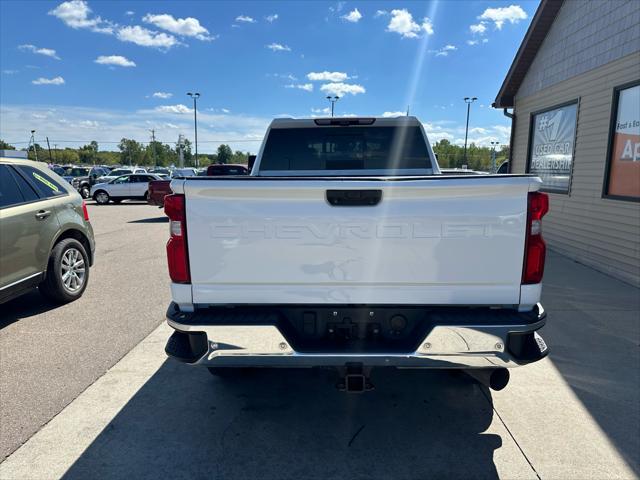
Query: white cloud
point(271, 18)
point(179, 109)
point(302, 86)
point(353, 16)
point(340, 89)
point(325, 110)
point(503, 130)
point(117, 60)
point(512, 14)
point(393, 114)
point(477, 42)
point(278, 47)
point(47, 52)
point(49, 81)
point(380, 13)
point(245, 19)
point(88, 124)
point(444, 51)
point(77, 14)
point(129, 13)
point(327, 76)
point(285, 76)
point(145, 37)
point(116, 124)
point(9, 72)
point(338, 8)
point(185, 27)
point(225, 110)
point(402, 23)
point(479, 28)
point(163, 95)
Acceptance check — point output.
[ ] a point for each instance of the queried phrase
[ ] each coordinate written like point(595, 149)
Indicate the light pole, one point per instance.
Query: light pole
point(333, 101)
point(195, 119)
point(32, 140)
point(468, 101)
point(493, 156)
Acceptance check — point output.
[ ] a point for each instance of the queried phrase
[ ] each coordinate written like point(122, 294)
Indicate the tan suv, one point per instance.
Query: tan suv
point(46, 239)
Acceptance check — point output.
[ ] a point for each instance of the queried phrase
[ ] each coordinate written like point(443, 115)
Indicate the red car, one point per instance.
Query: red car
point(226, 169)
point(157, 191)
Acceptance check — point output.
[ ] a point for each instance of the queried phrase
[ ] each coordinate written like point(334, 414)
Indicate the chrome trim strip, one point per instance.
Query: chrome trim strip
point(20, 281)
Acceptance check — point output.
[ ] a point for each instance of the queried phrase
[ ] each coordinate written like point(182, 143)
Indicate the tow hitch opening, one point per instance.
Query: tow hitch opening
point(354, 378)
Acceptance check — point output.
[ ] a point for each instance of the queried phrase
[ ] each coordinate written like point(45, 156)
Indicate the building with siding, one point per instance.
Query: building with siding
point(574, 87)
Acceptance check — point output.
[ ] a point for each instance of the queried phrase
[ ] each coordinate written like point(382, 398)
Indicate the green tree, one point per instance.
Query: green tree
point(31, 154)
point(5, 146)
point(88, 153)
point(66, 156)
point(131, 152)
point(240, 158)
point(224, 154)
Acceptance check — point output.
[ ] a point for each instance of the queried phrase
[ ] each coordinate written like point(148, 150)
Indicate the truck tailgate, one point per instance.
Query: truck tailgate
point(428, 241)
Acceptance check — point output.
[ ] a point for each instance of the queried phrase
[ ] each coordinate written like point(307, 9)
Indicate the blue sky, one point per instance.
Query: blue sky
point(78, 71)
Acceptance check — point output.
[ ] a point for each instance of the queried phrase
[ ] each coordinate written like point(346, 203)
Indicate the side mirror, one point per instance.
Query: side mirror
point(250, 162)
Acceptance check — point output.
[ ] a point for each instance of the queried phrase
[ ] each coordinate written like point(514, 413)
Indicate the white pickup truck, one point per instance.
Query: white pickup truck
point(346, 247)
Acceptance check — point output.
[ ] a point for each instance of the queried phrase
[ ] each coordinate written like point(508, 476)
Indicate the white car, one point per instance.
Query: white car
point(133, 186)
point(118, 172)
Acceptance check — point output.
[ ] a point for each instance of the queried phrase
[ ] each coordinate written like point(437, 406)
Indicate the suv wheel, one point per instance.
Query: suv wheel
point(85, 192)
point(101, 197)
point(67, 272)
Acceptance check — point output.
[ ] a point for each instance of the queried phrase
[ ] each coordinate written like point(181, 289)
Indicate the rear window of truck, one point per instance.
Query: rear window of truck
point(345, 148)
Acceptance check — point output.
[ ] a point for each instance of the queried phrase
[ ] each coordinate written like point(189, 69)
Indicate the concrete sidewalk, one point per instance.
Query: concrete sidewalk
point(573, 415)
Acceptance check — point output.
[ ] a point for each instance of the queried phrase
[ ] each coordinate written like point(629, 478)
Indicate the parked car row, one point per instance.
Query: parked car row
point(158, 189)
point(125, 187)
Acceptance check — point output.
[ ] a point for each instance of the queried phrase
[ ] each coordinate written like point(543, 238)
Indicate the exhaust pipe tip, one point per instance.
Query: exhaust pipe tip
point(494, 378)
point(499, 379)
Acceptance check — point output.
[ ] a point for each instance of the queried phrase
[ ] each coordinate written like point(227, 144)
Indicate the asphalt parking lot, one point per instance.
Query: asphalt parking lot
point(87, 391)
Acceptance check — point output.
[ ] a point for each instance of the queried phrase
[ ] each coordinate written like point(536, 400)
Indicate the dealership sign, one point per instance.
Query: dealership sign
point(624, 160)
point(552, 146)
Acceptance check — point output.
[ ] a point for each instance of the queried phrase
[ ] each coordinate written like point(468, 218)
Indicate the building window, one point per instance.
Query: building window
point(622, 178)
point(552, 139)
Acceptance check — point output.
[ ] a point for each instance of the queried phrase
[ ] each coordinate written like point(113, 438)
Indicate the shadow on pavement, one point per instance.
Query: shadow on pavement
point(593, 329)
point(278, 424)
point(27, 305)
point(162, 219)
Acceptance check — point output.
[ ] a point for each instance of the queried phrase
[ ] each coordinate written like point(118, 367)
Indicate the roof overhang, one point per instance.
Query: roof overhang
point(540, 26)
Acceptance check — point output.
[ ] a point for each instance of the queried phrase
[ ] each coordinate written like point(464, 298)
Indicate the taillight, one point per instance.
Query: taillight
point(535, 249)
point(177, 245)
point(85, 212)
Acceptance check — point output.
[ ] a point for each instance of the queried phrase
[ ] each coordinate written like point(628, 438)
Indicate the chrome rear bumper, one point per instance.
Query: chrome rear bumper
point(445, 346)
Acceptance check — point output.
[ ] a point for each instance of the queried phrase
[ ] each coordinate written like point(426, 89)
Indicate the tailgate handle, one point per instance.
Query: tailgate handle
point(354, 198)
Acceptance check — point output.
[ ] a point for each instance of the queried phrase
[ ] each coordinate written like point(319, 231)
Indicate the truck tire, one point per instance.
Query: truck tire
point(67, 272)
point(101, 197)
